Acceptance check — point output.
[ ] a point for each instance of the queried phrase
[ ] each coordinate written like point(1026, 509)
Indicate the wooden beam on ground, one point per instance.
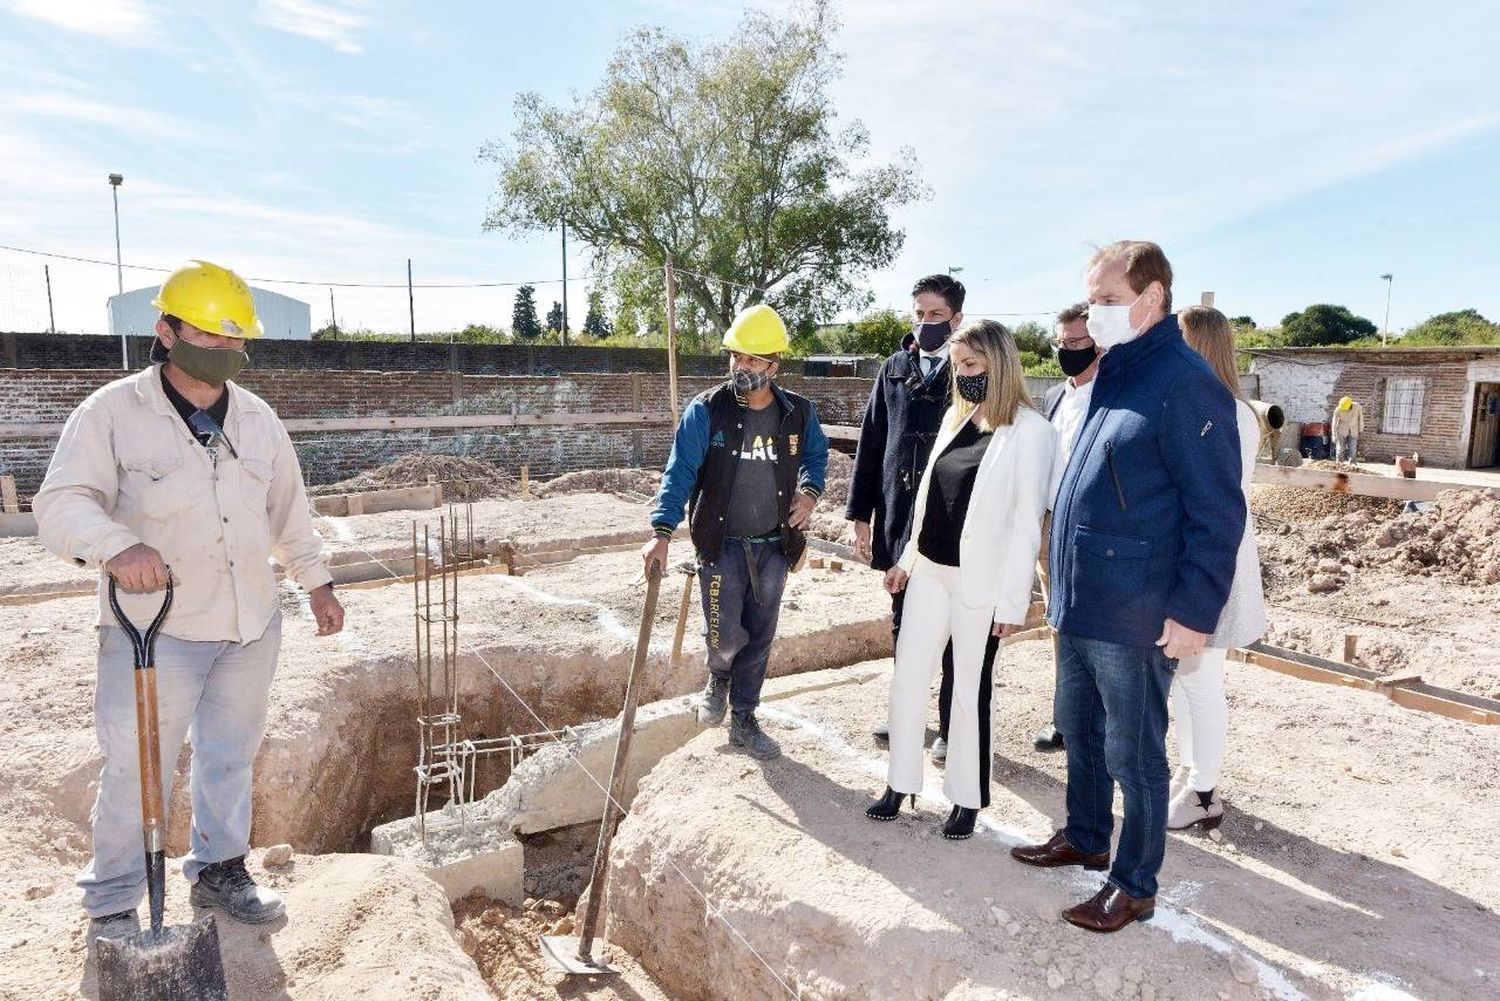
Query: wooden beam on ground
point(422, 498)
point(841, 432)
point(1408, 692)
point(1363, 484)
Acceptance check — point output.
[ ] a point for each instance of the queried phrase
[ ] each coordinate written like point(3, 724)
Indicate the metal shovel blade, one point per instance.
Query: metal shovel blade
point(178, 963)
point(561, 954)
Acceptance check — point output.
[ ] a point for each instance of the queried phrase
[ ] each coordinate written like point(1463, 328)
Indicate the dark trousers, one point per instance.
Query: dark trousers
point(945, 688)
point(1111, 707)
point(741, 593)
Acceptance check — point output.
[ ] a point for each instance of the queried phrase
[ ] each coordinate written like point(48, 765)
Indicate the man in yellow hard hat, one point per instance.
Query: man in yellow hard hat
point(177, 470)
point(748, 463)
point(1347, 425)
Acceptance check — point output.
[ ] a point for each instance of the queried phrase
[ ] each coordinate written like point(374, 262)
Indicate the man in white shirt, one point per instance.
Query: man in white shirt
point(177, 474)
point(1066, 405)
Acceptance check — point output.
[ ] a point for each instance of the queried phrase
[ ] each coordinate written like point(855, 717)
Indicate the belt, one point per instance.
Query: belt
point(751, 568)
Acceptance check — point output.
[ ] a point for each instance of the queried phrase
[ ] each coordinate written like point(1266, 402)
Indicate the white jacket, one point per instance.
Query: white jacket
point(1244, 617)
point(128, 470)
point(1003, 527)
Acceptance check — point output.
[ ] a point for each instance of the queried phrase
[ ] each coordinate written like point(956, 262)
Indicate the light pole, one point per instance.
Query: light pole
point(115, 180)
point(1385, 332)
point(954, 271)
point(563, 335)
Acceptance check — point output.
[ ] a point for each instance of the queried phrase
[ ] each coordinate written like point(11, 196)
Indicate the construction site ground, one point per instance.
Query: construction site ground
point(1356, 855)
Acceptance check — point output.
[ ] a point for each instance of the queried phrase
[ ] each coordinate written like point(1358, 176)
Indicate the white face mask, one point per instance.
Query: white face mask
point(1110, 325)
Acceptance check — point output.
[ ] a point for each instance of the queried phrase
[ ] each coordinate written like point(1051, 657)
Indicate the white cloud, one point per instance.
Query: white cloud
point(334, 24)
point(122, 20)
point(56, 105)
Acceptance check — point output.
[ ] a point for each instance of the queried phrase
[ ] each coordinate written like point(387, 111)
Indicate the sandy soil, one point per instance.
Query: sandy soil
point(1351, 864)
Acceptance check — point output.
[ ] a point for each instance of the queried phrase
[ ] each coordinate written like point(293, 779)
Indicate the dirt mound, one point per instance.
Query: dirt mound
point(1310, 504)
point(641, 482)
point(836, 483)
point(1458, 539)
point(460, 475)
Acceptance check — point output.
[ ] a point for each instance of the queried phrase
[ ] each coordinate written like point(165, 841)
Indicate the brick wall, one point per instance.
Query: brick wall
point(29, 350)
point(46, 396)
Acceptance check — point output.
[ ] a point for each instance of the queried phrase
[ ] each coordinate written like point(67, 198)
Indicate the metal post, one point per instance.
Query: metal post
point(411, 304)
point(672, 338)
point(51, 320)
point(564, 335)
point(115, 180)
point(1385, 332)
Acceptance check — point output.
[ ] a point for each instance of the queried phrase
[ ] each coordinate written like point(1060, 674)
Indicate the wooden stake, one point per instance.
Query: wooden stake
point(8, 495)
point(437, 490)
point(526, 483)
point(356, 505)
point(672, 341)
point(1350, 642)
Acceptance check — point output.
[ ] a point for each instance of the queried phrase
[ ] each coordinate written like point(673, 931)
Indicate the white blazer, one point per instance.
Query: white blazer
point(1003, 527)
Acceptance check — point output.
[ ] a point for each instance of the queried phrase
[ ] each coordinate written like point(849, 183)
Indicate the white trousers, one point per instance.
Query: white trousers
point(932, 616)
point(1202, 717)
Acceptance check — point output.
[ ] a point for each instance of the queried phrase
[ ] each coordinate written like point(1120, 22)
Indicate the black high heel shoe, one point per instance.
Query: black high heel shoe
point(887, 806)
point(960, 824)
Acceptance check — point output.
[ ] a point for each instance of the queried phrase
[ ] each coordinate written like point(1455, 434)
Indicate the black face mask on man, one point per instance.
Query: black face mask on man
point(1075, 361)
point(931, 336)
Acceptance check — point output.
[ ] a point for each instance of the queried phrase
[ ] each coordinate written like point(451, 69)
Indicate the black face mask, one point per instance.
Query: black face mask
point(973, 388)
point(931, 336)
point(1075, 361)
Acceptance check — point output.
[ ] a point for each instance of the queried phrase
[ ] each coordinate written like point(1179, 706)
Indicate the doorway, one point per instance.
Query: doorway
point(1484, 436)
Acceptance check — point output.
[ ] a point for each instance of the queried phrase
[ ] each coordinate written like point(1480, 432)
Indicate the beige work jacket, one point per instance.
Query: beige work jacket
point(128, 470)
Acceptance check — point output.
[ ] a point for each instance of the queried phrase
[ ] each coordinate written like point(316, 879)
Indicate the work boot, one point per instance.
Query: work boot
point(939, 752)
point(745, 732)
point(1048, 738)
point(116, 925)
point(228, 886)
point(881, 730)
point(714, 702)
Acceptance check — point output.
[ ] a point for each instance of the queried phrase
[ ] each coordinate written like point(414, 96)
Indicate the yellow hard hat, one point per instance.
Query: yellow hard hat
point(1346, 403)
point(211, 298)
point(757, 331)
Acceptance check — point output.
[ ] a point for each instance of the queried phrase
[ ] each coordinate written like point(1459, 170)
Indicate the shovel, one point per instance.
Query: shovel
point(181, 962)
point(575, 954)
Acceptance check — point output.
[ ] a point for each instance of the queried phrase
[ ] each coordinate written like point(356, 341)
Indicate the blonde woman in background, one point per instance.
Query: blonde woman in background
point(968, 566)
point(1198, 703)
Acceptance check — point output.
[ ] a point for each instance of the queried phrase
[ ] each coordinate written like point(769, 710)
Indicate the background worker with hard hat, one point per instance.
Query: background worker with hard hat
point(178, 470)
point(748, 462)
point(1347, 425)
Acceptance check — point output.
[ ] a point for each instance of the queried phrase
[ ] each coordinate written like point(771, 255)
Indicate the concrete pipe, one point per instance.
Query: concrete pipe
point(1272, 417)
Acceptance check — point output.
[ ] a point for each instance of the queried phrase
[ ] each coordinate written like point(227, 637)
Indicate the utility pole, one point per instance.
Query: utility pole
point(333, 316)
point(411, 304)
point(115, 180)
point(51, 320)
point(564, 335)
point(1385, 332)
point(672, 338)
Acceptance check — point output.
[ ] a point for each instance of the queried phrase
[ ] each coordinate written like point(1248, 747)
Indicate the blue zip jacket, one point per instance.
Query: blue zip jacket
point(690, 476)
point(1150, 512)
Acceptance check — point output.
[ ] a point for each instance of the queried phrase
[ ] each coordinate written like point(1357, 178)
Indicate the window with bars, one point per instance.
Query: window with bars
point(1403, 406)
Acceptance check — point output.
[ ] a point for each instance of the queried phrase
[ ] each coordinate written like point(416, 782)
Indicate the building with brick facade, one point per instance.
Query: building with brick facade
point(1441, 402)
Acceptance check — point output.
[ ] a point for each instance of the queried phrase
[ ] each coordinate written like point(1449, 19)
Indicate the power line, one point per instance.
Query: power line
point(300, 281)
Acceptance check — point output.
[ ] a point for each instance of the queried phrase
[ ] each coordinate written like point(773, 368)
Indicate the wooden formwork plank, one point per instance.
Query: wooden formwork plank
point(8, 502)
point(1364, 484)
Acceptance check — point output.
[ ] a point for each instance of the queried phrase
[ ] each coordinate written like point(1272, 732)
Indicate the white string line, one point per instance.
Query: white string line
point(709, 904)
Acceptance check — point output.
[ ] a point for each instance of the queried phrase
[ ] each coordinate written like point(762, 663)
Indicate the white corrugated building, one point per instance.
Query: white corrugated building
point(282, 316)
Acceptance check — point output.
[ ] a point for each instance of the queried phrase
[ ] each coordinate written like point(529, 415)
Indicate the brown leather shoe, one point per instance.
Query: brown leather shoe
point(1110, 910)
point(1058, 852)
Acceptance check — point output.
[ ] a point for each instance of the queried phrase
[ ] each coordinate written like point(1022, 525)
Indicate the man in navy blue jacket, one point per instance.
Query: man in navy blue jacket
point(901, 421)
point(1145, 530)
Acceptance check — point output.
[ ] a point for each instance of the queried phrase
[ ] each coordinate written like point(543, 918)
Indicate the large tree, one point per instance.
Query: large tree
point(594, 323)
point(1324, 324)
point(722, 155)
point(1464, 326)
point(555, 318)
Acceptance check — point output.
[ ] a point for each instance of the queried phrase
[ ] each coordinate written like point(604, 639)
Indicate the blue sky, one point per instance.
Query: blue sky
point(1283, 152)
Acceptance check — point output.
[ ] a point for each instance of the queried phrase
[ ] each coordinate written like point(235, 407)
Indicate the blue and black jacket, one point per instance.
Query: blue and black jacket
point(701, 469)
point(1150, 513)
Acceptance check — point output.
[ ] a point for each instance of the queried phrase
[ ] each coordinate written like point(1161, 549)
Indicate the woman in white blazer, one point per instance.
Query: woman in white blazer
point(1198, 702)
point(968, 567)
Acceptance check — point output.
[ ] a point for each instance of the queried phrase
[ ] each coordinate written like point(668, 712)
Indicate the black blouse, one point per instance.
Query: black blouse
point(948, 495)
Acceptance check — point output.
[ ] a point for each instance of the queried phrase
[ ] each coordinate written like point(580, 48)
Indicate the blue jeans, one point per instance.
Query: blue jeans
point(740, 611)
point(217, 694)
point(1111, 707)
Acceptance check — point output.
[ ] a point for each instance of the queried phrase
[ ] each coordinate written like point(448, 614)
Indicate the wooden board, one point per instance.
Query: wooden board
point(1364, 484)
point(8, 503)
point(300, 425)
point(421, 498)
point(18, 524)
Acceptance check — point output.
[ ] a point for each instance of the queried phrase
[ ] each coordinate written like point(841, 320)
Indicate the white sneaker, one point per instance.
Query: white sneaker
point(1184, 811)
point(939, 751)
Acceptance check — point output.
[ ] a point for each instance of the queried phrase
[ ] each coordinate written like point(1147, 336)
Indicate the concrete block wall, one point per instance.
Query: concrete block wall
point(44, 396)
